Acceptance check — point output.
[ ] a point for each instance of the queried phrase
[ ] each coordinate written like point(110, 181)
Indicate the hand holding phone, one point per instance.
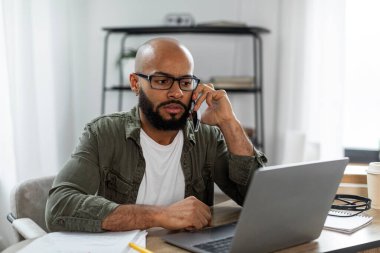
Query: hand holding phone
point(195, 116)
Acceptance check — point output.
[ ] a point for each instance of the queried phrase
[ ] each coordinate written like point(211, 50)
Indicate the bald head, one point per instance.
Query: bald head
point(164, 55)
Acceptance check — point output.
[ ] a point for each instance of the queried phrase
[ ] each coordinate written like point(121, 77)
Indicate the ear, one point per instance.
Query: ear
point(133, 79)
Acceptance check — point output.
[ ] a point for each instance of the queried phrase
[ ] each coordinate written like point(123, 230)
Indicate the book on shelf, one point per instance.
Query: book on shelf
point(233, 82)
point(346, 225)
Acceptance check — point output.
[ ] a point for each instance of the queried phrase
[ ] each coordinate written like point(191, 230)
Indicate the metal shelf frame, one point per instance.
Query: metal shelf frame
point(254, 32)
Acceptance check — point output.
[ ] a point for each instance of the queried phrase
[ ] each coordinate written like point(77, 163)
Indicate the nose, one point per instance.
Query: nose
point(175, 91)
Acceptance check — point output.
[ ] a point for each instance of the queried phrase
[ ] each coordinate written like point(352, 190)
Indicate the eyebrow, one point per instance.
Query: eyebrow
point(167, 74)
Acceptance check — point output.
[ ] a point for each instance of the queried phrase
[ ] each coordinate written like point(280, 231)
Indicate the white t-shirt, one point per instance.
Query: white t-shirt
point(163, 182)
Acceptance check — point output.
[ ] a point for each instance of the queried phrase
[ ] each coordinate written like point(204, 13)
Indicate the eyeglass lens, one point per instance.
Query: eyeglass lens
point(165, 82)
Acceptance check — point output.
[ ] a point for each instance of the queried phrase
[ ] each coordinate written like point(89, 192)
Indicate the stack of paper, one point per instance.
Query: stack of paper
point(346, 225)
point(64, 242)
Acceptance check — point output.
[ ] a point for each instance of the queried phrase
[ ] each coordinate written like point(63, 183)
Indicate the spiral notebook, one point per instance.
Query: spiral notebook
point(346, 225)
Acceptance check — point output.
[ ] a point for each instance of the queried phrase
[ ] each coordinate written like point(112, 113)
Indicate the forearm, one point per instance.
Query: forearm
point(236, 139)
point(188, 213)
point(130, 217)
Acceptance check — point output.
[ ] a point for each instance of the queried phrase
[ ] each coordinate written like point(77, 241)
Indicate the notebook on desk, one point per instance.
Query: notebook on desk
point(344, 224)
point(286, 205)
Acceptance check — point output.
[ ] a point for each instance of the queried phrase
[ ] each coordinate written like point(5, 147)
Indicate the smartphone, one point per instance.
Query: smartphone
point(195, 116)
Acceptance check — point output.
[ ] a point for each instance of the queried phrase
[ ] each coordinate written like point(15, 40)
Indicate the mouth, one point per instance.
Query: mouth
point(173, 108)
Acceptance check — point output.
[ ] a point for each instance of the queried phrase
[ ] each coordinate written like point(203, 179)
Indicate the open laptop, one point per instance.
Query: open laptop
point(285, 205)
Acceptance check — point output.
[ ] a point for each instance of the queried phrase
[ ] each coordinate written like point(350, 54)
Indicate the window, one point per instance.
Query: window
point(362, 77)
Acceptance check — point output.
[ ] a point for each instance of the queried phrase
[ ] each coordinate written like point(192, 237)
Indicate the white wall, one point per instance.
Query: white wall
point(225, 54)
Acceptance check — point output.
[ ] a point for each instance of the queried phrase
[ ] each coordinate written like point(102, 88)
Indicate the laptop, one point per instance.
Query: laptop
point(285, 205)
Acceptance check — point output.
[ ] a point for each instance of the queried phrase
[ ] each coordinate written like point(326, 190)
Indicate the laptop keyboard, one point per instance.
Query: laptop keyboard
point(220, 246)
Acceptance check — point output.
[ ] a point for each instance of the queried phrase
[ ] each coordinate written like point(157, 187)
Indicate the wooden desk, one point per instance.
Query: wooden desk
point(364, 240)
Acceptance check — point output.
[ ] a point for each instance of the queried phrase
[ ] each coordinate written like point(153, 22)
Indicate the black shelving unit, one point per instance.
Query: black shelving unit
point(254, 32)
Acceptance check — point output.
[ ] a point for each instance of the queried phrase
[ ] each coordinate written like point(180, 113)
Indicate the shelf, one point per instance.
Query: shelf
point(127, 88)
point(190, 29)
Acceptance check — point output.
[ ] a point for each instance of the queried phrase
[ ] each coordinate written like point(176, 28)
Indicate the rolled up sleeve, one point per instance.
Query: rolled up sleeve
point(240, 167)
point(72, 204)
point(232, 173)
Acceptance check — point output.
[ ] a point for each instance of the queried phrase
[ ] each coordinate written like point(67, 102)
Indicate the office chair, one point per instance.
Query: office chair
point(28, 201)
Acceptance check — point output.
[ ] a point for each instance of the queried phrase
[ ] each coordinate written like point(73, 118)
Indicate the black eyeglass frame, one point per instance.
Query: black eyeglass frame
point(149, 78)
point(351, 203)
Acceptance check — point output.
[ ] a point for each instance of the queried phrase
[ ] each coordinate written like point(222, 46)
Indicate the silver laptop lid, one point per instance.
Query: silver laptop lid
point(287, 205)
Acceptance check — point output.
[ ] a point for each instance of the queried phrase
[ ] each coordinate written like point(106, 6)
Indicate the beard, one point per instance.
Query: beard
point(156, 120)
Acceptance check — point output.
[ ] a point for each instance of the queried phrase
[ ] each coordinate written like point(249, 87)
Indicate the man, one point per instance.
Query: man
point(148, 167)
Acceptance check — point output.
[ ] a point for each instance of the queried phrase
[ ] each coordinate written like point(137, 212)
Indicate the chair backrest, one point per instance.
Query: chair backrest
point(28, 199)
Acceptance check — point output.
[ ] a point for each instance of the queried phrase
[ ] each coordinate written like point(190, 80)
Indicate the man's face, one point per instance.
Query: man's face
point(176, 120)
point(165, 109)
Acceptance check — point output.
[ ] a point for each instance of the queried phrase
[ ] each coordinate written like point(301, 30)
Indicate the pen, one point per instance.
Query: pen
point(139, 248)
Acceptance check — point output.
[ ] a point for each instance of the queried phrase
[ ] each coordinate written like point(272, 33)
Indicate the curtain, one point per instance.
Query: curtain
point(35, 93)
point(310, 80)
point(7, 156)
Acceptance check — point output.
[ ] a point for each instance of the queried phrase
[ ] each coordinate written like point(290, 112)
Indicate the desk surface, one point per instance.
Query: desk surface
point(329, 241)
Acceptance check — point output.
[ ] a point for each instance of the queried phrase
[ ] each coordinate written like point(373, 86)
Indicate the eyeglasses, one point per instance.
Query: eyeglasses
point(346, 205)
point(164, 82)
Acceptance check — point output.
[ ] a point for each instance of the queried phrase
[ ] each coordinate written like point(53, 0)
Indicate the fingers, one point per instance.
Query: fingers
point(202, 219)
point(201, 215)
point(200, 94)
point(204, 211)
point(215, 96)
point(202, 88)
point(208, 93)
point(189, 213)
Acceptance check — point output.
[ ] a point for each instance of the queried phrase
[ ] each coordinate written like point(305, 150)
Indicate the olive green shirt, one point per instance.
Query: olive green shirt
point(107, 167)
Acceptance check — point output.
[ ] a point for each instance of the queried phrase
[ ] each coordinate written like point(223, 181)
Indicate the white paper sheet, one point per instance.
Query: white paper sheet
point(70, 242)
